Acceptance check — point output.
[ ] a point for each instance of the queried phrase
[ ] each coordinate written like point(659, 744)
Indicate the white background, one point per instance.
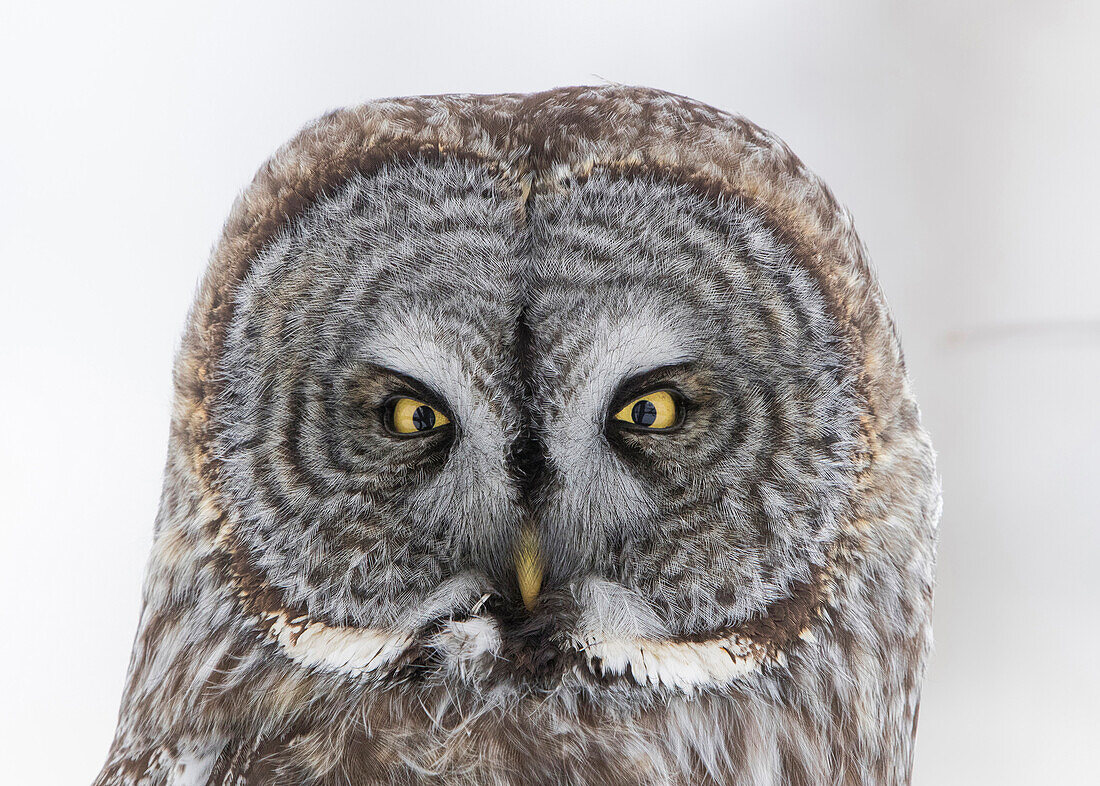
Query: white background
point(961, 134)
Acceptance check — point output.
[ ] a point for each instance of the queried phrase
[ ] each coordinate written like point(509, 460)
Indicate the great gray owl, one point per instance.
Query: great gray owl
point(536, 439)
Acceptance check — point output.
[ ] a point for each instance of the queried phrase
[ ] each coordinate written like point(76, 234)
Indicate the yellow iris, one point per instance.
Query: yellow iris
point(653, 410)
point(411, 416)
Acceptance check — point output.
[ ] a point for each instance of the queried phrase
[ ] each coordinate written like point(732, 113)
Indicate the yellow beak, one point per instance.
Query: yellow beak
point(529, 567)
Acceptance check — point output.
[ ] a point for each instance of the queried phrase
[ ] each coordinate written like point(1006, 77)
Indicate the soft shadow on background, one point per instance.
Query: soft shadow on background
point(961, 134)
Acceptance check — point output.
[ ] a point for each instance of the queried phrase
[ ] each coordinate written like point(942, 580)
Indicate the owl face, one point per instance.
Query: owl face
point(560, 437)
point(429, 379)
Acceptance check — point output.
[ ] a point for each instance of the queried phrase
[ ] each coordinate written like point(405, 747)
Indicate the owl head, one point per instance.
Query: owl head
point(586, 398)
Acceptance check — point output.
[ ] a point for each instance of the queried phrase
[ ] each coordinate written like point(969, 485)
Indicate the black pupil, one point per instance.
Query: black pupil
point(423, 418)
point(643, 412)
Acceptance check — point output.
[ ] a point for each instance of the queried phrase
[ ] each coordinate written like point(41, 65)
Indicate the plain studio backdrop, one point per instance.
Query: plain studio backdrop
point(961, 134)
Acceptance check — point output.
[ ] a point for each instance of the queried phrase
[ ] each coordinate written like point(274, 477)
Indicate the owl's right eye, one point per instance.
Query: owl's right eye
point(408, 416)
point(656, 411)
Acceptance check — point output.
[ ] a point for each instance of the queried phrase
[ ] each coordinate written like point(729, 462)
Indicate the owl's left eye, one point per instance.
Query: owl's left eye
point(410, 416)
point(656, 410)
